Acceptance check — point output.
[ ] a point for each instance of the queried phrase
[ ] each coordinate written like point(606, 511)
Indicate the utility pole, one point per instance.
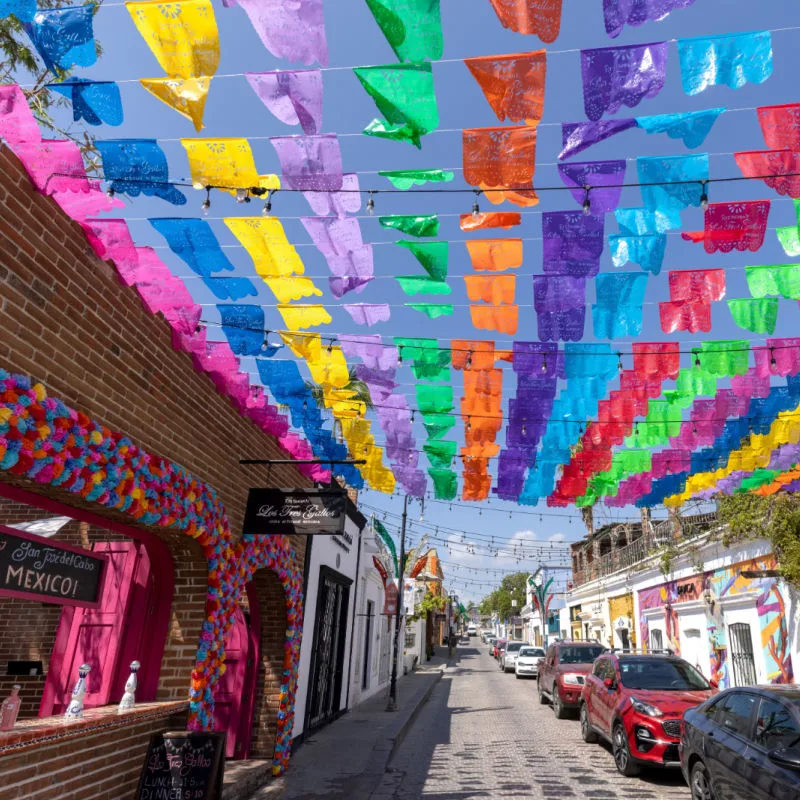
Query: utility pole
point(391, 705)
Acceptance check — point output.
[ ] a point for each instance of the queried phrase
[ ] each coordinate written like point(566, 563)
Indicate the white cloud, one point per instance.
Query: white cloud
point(556, 537)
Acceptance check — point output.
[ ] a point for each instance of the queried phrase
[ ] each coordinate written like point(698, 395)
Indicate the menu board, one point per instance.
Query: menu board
point(183, 766)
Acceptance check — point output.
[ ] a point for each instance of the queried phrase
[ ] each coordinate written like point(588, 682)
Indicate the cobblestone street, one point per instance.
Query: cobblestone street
point(484, 734)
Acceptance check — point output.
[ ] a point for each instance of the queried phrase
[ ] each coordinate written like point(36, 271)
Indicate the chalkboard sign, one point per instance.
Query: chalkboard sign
point(302, 512)
point(34, 568)
point(183, 766)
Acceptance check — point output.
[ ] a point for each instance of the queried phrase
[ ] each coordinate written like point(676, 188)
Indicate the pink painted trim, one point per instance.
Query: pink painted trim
point(49, 598)
point(162, 567)
point(245, 734)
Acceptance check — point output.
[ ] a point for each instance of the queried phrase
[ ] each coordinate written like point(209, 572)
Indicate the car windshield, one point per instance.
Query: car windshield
point(647, 673)
point(513, 647)
point(531, 652)
point(579, 655)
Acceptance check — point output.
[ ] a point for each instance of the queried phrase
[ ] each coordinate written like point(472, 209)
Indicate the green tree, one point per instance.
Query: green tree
point(22, 64)
point(512, 587)
point(353, 385)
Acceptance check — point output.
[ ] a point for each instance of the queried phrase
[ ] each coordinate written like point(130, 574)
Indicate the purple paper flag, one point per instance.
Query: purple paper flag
point(293, 29)
point(558, 293)
point(579, 136)
point(294, 97)
point(604, 178)
point(310, 163)
point(562, 325)
point(370, 349)
point(381, 383)
point(618, 13)
point(368, 314)
point(346, 201)
point(617, 76)
point(572, 242)
point(351, 283)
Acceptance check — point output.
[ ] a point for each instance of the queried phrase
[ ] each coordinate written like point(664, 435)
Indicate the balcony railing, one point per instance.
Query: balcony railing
point(629, 556)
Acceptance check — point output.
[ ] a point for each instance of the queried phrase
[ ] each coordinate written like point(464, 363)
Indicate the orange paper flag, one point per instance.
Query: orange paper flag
point(542, 17)
point(472, 354)
point(513, 84)
point(495, 289)
point(495, 255)
point(501, 158)
point(490, 219)
point(503, 319)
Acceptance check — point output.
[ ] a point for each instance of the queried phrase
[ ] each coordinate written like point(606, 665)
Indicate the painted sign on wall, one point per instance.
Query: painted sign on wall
point(34, 568)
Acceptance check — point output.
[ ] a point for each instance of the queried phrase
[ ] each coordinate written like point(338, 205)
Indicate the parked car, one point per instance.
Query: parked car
point(491, 640)
point(744, 743)
point(528, 660)
point(636, 701)
point(509, 657)
point(562, 673)
point(472, 630)
point(499, 646)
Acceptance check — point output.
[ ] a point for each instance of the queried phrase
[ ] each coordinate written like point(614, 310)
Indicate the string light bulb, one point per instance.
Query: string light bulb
point(544, 363)
point(704, 195)
point(371, 203)
point(476, 209)
point(772, 360)
point(619, 361)
point(242, 196)
point(110, 191)
point(697, 359)
point(267, 210)
point(587, 203)
point(206, 205)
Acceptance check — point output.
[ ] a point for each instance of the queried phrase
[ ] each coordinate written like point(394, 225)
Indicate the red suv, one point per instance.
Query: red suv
point(499, 645)
point(562, 673)
point(636, 702)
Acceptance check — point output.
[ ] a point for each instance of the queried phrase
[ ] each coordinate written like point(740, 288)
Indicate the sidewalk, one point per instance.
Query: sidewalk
point(347, 758)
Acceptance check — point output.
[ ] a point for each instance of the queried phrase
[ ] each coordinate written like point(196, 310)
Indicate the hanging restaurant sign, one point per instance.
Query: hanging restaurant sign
point(302, 512)
point(33, 568)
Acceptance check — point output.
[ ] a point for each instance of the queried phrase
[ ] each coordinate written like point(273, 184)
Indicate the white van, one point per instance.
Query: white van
point(472, 630)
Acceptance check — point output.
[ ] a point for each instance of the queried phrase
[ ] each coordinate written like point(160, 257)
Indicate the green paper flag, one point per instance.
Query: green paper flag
point(691, 383)
point(790, 237)
point(433, 256)
point(774, 279)
point(412, 225)
point(725, 358)
point(758, 316)
point(438, 425)
point(433, 310)
point(404, 179)
point(412, 27)
point(662, 423)
point(440, 454)
point(404, 94)
point(387, 540)
point(445, 483)
point(417, 284)
point(434, 399)
point(759, 478)
point(429, 361)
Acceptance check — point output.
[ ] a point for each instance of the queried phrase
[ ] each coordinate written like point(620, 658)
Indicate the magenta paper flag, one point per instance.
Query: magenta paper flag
point(17, 123)
point(368, 314)
point(290, 29)
point(346, 201)
point(53, 165)
point(80, 205)
point(294, 97)
point(310, 163)
point(111, 241)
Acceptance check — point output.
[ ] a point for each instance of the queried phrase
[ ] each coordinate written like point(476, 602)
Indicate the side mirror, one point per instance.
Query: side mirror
point(609, 683)
point(786, 757)
point(714, 684)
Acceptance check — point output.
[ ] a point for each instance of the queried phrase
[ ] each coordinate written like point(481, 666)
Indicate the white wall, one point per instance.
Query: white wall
point(340, 554)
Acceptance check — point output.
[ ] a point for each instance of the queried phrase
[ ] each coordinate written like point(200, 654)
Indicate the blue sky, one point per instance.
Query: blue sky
point(471, 28)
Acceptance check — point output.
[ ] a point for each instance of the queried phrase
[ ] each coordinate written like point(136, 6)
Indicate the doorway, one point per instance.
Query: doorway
point(742, 657)
point(234, 702)
point(367, 645)
point(327, 667)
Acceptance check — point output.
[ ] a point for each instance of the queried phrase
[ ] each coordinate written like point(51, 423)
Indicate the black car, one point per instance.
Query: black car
point(743, 744)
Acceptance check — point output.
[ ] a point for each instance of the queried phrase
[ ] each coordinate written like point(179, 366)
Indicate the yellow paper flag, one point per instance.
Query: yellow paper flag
point(299, 317)
point(187, 96)
point(225, 162)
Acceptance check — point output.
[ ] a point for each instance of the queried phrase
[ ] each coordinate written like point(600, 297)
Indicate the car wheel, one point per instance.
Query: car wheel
point(542, 698)
point(558, 706)
point(622, 753)
point(700, 783)
point(517, 675)
point(588, 734)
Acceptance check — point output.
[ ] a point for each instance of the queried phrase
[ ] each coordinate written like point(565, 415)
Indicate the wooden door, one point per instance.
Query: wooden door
point(97, 636)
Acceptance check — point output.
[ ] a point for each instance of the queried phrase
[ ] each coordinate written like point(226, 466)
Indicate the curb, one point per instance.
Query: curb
point(401, 734)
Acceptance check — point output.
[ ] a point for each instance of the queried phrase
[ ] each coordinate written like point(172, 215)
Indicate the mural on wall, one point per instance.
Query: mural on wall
point(46, 441)
point(722, 583)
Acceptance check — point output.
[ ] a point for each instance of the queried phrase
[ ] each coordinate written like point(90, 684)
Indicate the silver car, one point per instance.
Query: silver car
point(509, 657)
point(527, 662)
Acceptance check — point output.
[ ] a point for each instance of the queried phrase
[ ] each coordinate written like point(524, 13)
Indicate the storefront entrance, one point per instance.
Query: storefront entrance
point(327, 665)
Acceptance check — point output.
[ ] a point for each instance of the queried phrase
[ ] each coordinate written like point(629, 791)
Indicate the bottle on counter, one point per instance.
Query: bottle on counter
point(9, 710)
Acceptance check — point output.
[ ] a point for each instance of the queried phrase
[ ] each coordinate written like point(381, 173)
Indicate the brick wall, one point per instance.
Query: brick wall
point(99, 765)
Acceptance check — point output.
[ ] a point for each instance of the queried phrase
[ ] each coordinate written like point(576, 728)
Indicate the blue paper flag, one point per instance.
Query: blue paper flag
point(640, 220)
point(97, 102)
point(663, 180)
point(193, 241)
point(23, 10)
point(730, 60)
point(244, 327)
point(64, 37)
point(647, 250)
point(618, 311)
point(138, 166)
point(231, 288)
point(691, 126)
